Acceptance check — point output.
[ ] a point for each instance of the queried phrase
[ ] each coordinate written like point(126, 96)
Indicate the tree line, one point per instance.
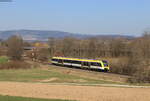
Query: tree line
point(97, 47)
point(133, 54)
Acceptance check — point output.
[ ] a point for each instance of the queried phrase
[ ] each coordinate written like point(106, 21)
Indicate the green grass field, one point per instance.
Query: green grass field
point(3, 59)
point(45, 76)
point(13, 98)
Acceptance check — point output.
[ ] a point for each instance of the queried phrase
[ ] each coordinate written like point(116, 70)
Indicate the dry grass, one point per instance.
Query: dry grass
point(46, 76)
point(90, 74)
point(114, 78)
point(80, 93)
point(15, 65)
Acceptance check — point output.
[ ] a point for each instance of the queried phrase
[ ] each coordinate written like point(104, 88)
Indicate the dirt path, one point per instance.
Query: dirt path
point(80, 93)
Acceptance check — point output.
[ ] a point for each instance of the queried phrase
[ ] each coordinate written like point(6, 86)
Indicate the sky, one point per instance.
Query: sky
point(127, 17)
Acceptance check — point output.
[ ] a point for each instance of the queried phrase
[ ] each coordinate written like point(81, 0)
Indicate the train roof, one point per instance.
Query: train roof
point(77, 59)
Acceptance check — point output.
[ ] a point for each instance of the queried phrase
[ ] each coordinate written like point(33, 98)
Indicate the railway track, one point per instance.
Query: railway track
point(88, 70)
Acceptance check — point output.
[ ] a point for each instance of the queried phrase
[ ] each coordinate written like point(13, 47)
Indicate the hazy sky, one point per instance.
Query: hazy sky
point(78, 16)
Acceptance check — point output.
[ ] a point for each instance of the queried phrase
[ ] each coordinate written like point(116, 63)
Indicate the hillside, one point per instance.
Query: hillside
point(43, 35)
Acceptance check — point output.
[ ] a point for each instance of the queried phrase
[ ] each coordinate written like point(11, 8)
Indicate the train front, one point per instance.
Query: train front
point(105, 65)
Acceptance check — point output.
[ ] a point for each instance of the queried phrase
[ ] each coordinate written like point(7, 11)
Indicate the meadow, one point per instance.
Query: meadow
point(45, 76)
point(14, 98)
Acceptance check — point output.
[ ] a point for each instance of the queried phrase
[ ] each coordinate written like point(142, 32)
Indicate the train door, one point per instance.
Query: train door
point(96, 65)
point(85, 64)
point(60, 61)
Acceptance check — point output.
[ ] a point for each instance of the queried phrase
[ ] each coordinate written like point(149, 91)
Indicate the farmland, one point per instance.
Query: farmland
point(70, 92)
point(54, 82)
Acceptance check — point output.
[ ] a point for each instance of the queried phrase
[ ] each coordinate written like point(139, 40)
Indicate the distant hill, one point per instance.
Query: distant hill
point(42, 35)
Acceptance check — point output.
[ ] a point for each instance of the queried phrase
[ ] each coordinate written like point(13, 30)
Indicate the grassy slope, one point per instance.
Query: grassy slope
point(12, 98)
point(40, 75)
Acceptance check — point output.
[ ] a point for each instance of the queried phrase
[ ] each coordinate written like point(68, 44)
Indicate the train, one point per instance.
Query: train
point(101, 65)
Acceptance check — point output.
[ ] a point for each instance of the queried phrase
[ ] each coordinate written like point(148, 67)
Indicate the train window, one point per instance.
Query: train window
point(60, 61)
point(86, 64)
point(95, 64)
point(76, 62)
point(67, 61)
point(105, 63)
point(73, 61)
point(99, 64)
point(54, 59)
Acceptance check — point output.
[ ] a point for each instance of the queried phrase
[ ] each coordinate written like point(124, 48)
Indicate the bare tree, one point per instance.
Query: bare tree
point(15, 47)
point(68, 44)
point(52, 44)
point(92, 48)
point(43, 55)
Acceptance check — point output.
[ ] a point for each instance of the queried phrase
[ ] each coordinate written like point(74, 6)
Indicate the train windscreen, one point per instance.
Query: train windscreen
point(105, 63)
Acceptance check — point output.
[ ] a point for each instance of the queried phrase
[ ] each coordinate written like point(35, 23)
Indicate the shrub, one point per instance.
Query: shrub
point(142, 75)
point(119, 65)
point(3, 59)
point(127, 66)
point(15, 65)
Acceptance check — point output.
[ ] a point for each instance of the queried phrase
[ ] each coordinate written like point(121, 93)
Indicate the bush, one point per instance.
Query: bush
point(119, 65)
point(3, 59)
point(126, 66)
point(140, 77)
point(15, 65)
